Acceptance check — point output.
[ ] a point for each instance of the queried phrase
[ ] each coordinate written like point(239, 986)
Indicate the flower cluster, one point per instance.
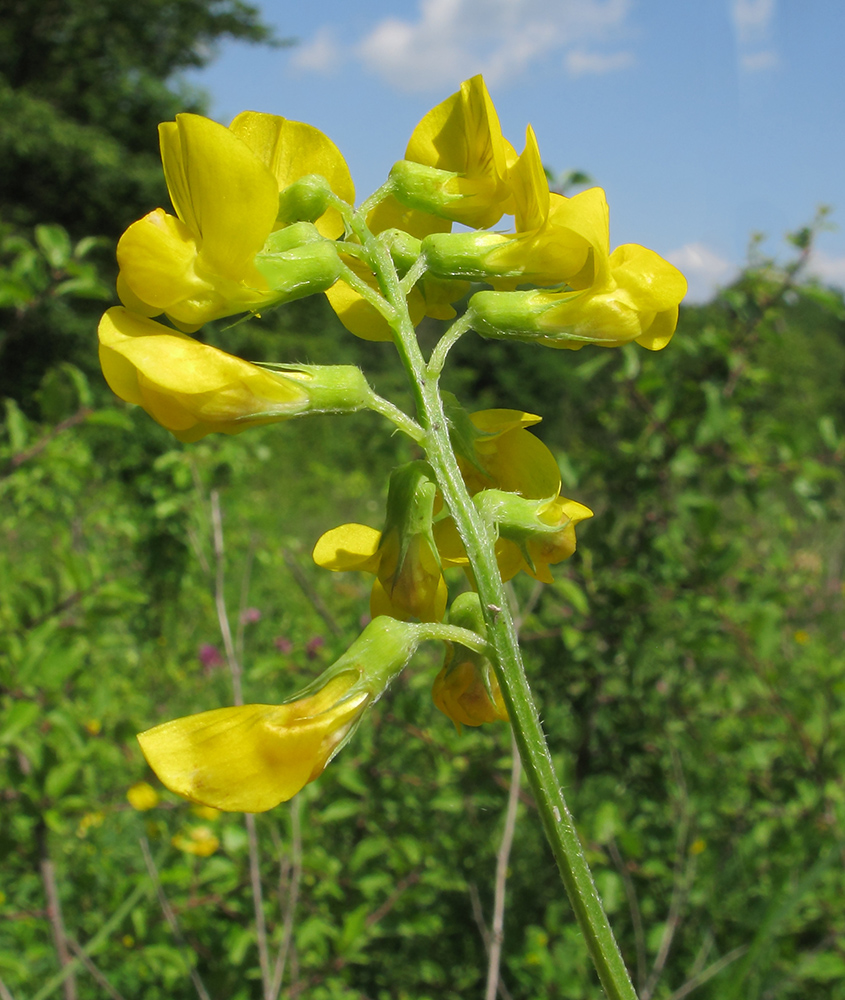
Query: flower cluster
point(263, 214)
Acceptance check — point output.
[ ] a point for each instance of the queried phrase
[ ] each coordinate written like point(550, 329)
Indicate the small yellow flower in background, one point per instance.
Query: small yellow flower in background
point(206, 812)
point(801, 637)
point(698, 846)
point(142, 796)
point(127, 941)
point(457, 161)
point(93, 727)
point(94, 819)
point(252, 757)
point(409, 580)
point(200, 841)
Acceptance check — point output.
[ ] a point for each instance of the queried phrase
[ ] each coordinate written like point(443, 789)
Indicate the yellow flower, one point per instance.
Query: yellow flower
point(466, 689)
point(520, 479)
point(225, 185)
point(189, 387)
point(409, 582)
point(193, 389)
point(142, 796)
point(460, 693)
point(457, 161)
point(200, 842)
point(629, 295)
point(549, 246)
point(251, 757)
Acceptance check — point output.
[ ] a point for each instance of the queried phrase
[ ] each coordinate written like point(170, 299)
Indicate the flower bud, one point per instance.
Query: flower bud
point(305, 200)
point(252, 757)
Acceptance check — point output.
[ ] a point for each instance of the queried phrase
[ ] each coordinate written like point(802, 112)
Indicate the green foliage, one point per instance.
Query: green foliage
point(83, 87)
point(687, 660)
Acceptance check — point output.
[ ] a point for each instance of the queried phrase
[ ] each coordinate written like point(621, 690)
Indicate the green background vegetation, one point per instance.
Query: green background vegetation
point(688, 661)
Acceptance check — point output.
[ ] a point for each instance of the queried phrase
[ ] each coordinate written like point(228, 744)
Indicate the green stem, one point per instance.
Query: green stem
point(396, 416)
point(453, 633)
point(502, 637)
point(446, 343)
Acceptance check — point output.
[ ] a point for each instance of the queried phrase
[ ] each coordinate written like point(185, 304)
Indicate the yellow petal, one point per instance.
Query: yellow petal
point(292, 150)
point(357, 315)
point(653, 283)
point(186, 386)
point(530, 187)
point(348, 547)
point(220, 189)
point(249, 758)
point(157, 257)
point(499, 421)
point(658, 335)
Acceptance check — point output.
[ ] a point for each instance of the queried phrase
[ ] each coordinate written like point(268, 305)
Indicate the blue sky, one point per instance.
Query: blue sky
point(703, 121)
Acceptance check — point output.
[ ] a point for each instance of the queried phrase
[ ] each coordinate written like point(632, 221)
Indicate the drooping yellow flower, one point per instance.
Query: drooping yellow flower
point(466, 689)
point(629, 295)
point(409, 581)
point(457, 161)
point(460, 693)
point(193, 389)
point(225, 185)
point(250, 758)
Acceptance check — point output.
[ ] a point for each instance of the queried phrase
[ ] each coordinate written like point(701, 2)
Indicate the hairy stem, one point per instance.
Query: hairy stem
point(502, 637)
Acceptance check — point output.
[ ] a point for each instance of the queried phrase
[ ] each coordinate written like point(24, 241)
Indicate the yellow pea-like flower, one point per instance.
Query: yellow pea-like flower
point(188, 387)
point(466, 689)
point(457, 161)
point(225, 185)
point(199, 841)
point(252, 757)
point(409, 581)
point(142, 796)
point(408, 585)
point(631, 294)
point(459, 691)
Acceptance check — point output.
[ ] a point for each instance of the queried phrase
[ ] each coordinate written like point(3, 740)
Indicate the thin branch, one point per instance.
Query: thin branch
point(54, 912)
point(244, 598)
point(220, 597)
point(5, 993)
point(95, 972)
point(92, 945)
point(307, 588)
point(258, 904)
point(170, 917)
point(79, 417)
point(497, 933)
point(292, 897)
point(634, 907)
point(709, 972)
point(682, 877)
point(237, 695)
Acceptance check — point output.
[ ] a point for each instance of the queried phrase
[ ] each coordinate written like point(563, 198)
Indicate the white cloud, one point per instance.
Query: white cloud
point(704, 269)
point(580, 63)
point(753, 22)
point(320, 55)
point(755, 62)
point(829, 270)
point(453, 39)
